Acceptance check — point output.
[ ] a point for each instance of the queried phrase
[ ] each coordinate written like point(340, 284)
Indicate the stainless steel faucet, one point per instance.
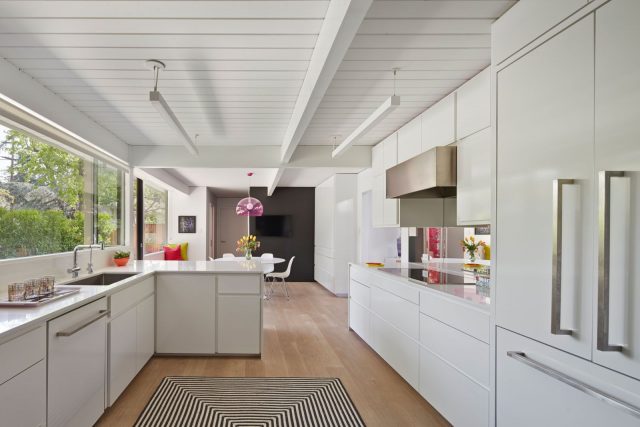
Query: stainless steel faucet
point(75, 269)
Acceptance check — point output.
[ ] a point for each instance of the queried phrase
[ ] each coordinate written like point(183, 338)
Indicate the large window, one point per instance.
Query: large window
point(154, 216)
point(52, 199)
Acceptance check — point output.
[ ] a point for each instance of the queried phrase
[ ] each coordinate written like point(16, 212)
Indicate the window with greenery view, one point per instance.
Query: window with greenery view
point(155, 217)
point(52, 199)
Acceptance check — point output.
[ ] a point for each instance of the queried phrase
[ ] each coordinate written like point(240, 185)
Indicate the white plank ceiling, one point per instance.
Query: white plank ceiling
point(234, 68)
point(437, 46)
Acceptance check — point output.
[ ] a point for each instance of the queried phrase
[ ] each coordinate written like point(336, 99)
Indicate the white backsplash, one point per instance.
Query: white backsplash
point(19, 269)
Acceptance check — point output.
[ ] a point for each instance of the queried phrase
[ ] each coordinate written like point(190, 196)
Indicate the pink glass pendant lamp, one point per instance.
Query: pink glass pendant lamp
point(249, 206)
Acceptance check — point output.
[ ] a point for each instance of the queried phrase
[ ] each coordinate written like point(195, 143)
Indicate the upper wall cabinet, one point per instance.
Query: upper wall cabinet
point(438, 124)
point(473, 105)
point(377, 159)
point(409, 139)
point(525, 21)
point(390, 150)
point(474, 178)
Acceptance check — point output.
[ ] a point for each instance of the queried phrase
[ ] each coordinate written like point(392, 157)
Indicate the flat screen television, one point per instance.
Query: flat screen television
point(273, 226)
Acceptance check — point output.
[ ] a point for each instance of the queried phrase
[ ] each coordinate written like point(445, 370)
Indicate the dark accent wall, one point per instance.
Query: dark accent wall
point(299, 202)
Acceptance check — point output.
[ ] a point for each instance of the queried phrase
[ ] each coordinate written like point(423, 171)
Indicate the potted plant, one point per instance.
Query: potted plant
point(121, 258)
point(247, 244)
point(470, 245)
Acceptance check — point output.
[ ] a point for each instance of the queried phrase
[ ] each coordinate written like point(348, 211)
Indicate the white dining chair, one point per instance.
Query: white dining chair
point(267, 267)
point(283, 275)
point(228, 255)
point(266, 256)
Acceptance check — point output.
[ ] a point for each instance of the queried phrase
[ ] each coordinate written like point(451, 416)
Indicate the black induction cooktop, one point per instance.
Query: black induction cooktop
point(432, 277)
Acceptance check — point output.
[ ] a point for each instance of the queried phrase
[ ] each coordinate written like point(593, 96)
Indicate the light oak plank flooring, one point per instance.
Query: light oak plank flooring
point(304, 337)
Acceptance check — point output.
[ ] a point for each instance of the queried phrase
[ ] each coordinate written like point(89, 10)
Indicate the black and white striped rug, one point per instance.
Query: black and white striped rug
point(244, 402)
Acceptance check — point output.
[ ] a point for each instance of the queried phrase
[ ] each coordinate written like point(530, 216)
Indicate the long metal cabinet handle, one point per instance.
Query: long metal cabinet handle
point(604, 228)
point(575, 383)
point(69, 332)
point(556, 268)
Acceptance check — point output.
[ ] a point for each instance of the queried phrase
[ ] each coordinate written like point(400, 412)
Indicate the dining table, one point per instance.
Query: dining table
point(267, 263)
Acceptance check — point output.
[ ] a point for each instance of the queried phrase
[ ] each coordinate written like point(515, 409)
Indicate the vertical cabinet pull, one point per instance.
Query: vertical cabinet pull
point(556, 268)
point(604, 246)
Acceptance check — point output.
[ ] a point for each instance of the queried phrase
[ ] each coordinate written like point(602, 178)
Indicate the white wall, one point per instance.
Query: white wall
point(193, 204)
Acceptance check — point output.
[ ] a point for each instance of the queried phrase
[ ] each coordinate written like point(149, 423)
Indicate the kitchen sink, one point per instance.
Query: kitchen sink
point(103, 279)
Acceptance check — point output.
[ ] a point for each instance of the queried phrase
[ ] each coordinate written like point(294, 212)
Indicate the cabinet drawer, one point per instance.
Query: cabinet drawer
point(239, 284)
point(360, 320)
point(131, 296)
point(461, 401)
point(323, 261)
point(359, 274)
point(399, 312)
point(397, 349)
point(396, 287)
point(21, 352)
point(466, 353)
point(324, 277)
point(239, 324)
point(324, 251)
point(360, 294)
point(527, 397)
point(464, 317)
point(23, 399)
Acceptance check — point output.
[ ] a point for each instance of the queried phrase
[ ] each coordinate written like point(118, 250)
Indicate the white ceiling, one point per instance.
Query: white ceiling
point(234, 68)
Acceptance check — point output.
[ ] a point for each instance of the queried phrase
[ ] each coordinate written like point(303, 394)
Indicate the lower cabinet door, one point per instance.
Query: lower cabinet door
point(23, 399)
point(239, 324)
point(463, 402)
point(145, 332)
point(76, 366)
point(397, 349)
point(360, 320)
point(122, 352)
point(186, 314)
point(526, 396)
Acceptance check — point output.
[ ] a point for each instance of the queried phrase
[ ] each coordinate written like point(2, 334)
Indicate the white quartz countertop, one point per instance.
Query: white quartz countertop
point(16, 320)
point(476, 295)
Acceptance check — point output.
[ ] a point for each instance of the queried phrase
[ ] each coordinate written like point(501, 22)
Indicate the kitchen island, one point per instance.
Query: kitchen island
point(436, 336)
point(74, 354)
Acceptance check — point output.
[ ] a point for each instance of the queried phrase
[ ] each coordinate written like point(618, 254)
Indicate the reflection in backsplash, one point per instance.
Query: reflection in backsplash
point(444, 242)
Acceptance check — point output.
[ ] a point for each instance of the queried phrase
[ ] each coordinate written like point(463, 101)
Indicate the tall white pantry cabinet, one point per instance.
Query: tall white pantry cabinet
point(568, 222)
point(335, 231)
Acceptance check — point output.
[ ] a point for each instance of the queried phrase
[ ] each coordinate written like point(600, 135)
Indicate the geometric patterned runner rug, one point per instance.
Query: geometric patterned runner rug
point(250, 402)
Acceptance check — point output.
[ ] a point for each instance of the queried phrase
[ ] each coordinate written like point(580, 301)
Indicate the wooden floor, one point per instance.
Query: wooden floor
point(304, 337)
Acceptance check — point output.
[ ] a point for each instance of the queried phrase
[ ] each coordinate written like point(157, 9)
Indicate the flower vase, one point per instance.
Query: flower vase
point(247, 254)
point(472, 257)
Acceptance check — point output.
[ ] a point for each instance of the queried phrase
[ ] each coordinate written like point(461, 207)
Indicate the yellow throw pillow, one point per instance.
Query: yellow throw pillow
point(184, 249)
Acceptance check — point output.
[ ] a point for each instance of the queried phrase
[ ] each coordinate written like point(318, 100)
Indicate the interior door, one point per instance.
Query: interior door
point(617, 288)
point(544, 140)
point(230, 226)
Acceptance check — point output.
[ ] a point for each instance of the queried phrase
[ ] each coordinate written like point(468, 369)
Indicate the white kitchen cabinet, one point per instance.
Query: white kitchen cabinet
point(185, 313)
point(397, 349)
point(378, 198)
point(524, 22)
point(473, 105)
point(377, 159)
point(409, 139)
point(336, 220)
point(239, 324)
point(438, 124)
point(463, 402)
point(23, 399)
point(122, 352)
point(23, 380)
point(145, 331)
point(526, 396)
point(390, 151)
point(76, 366)
point(545, 133)
point(390, 209)
point(474, 178)
point(617, 148)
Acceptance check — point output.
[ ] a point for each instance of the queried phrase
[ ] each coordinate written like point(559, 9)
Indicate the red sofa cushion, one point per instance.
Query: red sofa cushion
point(172, 254)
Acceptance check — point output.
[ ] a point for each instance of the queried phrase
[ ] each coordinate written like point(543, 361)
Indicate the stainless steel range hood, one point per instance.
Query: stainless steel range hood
point(429, 175)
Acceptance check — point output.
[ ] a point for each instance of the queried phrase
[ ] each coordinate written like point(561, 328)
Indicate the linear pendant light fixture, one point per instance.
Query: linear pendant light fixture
point(161, 106)
point(381, 112)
